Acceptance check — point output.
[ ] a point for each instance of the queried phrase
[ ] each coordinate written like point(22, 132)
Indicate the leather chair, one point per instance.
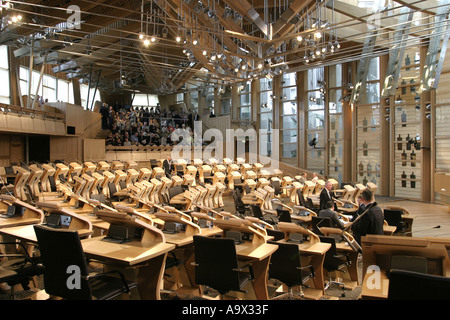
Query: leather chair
point(60, 251)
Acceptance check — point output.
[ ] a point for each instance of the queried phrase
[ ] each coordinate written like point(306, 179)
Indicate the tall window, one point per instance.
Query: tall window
point(368, 128)
point(4, 75)
point(194, 100)
point(315, 115)
point(209, 100)
point(225, 100)
point(85, 91)
point(289, 115)
point(266, 115)
point(145, 100)
point(245, 109)
point(335, 121)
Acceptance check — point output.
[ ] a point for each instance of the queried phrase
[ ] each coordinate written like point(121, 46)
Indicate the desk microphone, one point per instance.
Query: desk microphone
point(423, 229)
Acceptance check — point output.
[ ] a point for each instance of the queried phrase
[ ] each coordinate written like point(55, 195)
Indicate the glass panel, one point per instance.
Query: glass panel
point(244, 99)
point(266, 101)
point(194, 99)
point(374, 69)
point(265, 84)
point(315, 101)
point(316, 119)
point(4, 57)
point(266, 121)
point(335, 76)
point(63, 90)
point(289, 136)
point(314, 76)
point(289, 108)
point(335, 105)
point(290, 150)
point(288, 79)
point(226, 106)
point(290, 93)
point(244, 113)
point(290, 122)
point(4, 88)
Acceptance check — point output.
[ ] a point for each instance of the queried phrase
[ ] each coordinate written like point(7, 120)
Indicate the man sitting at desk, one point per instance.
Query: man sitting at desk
point(370, 222)
point(326, 196)
point(328, 212)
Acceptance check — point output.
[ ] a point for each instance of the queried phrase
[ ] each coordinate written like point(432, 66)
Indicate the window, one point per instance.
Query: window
point(315, 115)
point(194, 100)
point(210, 101)
point(145, 100)
point(4, 75)
point(225, 100)
point(266, 115)
point(335, 123)
point(84, 92)
point(289, 116)
point(245, 109)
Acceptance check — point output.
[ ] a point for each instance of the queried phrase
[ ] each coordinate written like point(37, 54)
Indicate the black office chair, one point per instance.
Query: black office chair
point(334, 262)
point(301, 198)
point(276, 234)
point(268, 217)
point(61, 255)
point(276, 185)
point(394, 218)
point(283, 215)
point(18, 268)
point(310, 205)
point(153, 163)
point(239, 206)
point(318, 222)
point(285, 266)
point(216, 265)
point(411, 285)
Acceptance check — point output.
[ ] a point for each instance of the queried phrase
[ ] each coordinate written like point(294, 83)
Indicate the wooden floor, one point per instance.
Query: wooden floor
point(426, 216)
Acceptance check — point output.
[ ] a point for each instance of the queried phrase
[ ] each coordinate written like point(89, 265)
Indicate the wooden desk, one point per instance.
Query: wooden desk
point(145, 255)
point(31, 214)
point(378, 250)
point(27, 234)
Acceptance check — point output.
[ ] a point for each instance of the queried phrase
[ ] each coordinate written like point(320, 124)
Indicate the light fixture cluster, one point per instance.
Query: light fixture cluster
point(147, 40)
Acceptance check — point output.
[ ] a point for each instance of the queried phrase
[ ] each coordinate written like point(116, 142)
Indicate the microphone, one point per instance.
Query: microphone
point(423, 229)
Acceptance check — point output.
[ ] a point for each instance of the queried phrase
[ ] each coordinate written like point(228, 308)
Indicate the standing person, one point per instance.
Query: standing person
point(369, 218)
point(326, 195)
point(168, 166)
point(105, 113)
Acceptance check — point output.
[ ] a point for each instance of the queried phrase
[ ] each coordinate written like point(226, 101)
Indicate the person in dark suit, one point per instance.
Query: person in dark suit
point(370, 222)
point(326, 195)
point(168, 166)
point(328, 212)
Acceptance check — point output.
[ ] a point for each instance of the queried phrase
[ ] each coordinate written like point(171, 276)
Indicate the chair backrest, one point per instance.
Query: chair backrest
point(318, 222)
point(62, 256)
point(216, 263)
point(301, 198)
point(409, 263)
point(285, 263)
point(112, 188)
point(256, 210)
point(330, 262)
point(393, 217)
point(276, 234)
point(410, 285)
point(283, 215)
point(173, 191)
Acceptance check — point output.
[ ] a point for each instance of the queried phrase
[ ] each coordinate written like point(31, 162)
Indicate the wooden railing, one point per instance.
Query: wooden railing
point(33, 113)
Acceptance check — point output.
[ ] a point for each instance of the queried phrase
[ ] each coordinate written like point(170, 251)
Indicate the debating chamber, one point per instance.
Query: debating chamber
point(202, 152)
